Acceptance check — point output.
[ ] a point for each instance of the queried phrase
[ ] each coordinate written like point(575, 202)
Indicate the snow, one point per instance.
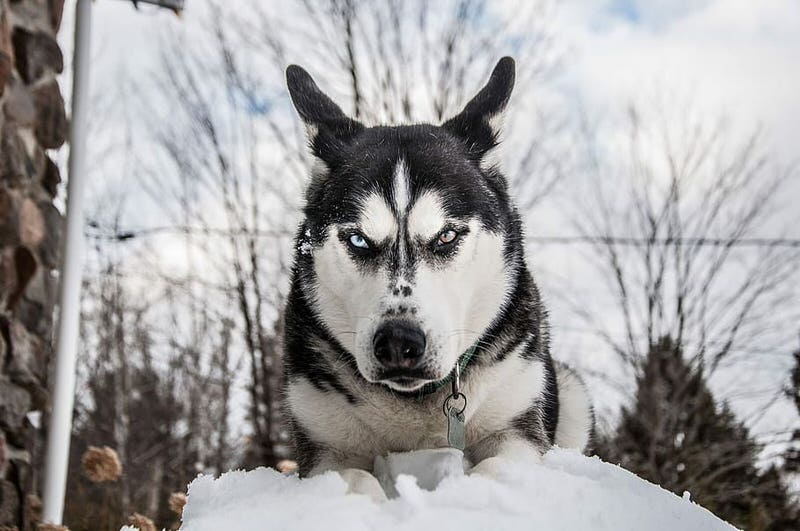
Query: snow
point(566, 491)
point(425, 468)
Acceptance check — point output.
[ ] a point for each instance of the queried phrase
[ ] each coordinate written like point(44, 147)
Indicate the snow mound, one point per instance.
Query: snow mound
point(567, 491)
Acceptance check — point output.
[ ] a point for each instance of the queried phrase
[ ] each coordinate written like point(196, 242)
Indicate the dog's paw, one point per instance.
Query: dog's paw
point(492, 467)
point(362, 482)
point(501, 465)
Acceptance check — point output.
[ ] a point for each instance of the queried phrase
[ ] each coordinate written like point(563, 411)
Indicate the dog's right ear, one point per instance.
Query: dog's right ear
point(328, 128)
point(478, 125)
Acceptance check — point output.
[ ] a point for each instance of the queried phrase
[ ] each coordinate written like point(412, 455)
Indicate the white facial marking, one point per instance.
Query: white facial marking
point(377, 220)
point(401, 187)
point(458, 300)
point(427, 217)
point(347, 298)
point(453, 298)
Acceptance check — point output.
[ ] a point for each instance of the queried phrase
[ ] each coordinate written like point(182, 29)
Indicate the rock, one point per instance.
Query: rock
point(24, 269)
point(50, 248)
point(33, 14)
point(56, 12)
point(3, 459)
point(51, 118)
point(15, 402)
point(3, 357)
point(31, 223)
point(19, 107)
point(32, 308)
point(9, 503)
point(51, 177)
point(32, 120)
point(6, 53)
point(35, 53)
point(8, 217)
point(27, 366)
point(13, 157)
point(33, 508)
point(5, 70)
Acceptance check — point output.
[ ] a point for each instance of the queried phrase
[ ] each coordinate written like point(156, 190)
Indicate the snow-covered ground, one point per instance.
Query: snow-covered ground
point(567, 491)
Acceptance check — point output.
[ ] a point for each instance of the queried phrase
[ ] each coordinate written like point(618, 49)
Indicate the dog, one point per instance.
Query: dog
point(409, 264)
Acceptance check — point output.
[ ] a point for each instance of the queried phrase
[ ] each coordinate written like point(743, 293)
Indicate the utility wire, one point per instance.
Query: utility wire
point(98, 233)
point(688, 241)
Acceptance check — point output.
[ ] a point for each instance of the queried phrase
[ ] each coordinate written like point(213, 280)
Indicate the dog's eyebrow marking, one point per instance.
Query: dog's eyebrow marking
point(401, 187)
point(377, 221)
point(427, 216)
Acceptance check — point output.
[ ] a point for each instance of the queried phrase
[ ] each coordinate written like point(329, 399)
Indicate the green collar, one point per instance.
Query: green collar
point(463, 361)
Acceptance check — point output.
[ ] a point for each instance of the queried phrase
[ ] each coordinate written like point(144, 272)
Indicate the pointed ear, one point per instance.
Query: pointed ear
point(327, 126)
point(479, 123)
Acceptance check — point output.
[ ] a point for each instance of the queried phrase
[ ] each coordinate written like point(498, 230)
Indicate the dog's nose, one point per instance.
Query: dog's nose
point(399, 345)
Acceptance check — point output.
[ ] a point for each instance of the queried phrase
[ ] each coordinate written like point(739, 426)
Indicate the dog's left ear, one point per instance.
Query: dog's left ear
point(327, 126)
point(479, 123)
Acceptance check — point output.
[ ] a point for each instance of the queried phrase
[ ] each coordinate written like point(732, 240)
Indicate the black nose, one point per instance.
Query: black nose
point(399, 345)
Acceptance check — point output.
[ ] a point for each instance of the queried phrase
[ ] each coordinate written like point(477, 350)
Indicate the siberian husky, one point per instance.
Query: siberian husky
point(410, 271)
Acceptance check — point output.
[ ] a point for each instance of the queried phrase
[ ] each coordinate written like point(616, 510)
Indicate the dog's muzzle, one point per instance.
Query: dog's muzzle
point(399, 347)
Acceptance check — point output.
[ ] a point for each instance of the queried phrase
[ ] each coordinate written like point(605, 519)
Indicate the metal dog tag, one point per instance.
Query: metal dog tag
point(455, 428)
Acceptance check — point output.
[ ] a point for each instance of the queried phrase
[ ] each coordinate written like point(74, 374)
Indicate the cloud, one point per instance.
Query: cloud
point(736, 56)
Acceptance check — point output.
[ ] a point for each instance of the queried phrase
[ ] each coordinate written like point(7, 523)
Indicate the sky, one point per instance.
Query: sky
point(738, 57)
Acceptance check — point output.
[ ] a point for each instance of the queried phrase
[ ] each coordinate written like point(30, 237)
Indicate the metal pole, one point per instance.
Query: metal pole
point(60, 428)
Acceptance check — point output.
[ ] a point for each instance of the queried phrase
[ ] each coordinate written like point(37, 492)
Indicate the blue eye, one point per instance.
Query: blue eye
point(357, 240)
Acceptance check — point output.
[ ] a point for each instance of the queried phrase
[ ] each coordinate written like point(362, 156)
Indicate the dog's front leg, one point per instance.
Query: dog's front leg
point(354, 472)
point(496, 454)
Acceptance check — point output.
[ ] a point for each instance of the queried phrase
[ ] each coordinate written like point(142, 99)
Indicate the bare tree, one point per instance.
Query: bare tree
point(410, 61)
point(678, 226)
point(231, 160)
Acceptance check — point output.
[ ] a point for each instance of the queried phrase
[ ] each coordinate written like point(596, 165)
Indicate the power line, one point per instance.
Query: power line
point(677, 242)
point(130, 234)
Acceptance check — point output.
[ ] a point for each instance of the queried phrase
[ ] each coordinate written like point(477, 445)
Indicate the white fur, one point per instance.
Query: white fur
point(401, 187)
point(348, 299)
point(455, 302)
point(575, 411)
point(494, 158)
point(426, 218)
point(311, 131)
point(377, 221)
point(319, 170)
point(380, 423)
point(496, 122)
point(508, 456)
point(505, 391)
point(458, 302)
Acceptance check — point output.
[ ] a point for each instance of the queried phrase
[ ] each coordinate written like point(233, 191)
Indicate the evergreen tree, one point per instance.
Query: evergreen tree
point(675, 435)
point(793, 454)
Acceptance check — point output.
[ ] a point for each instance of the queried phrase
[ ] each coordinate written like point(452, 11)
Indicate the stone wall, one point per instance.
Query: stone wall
point(32, 121)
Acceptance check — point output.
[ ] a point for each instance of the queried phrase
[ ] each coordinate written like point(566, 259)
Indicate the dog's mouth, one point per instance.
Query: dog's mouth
point(405, 381)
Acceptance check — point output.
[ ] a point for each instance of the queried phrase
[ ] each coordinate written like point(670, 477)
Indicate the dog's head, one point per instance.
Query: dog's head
point(409, 248)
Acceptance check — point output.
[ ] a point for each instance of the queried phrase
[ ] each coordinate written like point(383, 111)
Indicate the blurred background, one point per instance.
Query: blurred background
point(651, 147)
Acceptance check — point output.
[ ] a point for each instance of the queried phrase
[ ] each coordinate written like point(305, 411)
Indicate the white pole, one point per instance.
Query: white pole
point(60, 428)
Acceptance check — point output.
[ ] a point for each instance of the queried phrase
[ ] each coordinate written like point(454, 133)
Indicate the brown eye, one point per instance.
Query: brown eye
point(447, 236)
